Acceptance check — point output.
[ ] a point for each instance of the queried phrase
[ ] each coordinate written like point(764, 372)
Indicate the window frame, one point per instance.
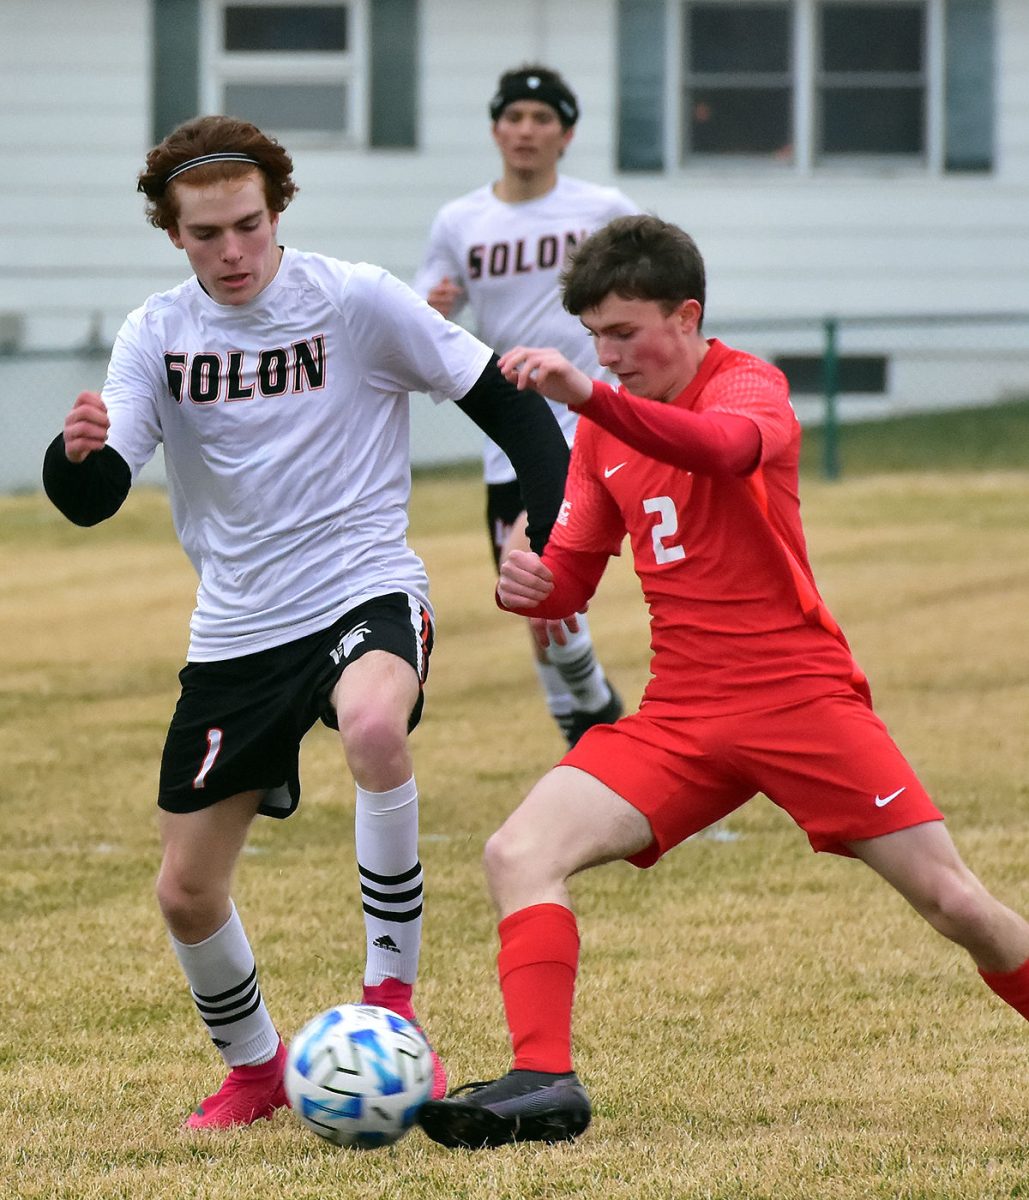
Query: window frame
point(351, 67)
point(807, 158)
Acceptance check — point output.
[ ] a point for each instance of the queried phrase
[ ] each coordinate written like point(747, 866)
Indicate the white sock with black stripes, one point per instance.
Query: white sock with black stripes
point(577, 665)
point(222, 977)
point(560, 701)
point(386, 840)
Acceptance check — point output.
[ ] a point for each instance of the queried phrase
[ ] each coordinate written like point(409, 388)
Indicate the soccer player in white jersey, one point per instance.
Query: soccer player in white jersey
point(500, 249)
point(277, 383)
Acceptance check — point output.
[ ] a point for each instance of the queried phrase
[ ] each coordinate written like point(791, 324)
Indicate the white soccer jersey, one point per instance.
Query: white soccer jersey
point(286, 439)
point(507, 258)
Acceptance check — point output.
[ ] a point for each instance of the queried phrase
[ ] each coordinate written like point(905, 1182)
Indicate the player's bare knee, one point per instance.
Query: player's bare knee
point(186, 904)
point(372, 737)
point(959, 907)
point(504, 857)
point(513, 856)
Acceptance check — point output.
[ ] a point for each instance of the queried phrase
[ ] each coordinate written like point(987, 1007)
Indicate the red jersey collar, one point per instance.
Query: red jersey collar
point(717, 352)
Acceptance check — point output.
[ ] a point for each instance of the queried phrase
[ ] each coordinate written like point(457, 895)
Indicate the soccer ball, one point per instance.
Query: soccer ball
point(357, 1075)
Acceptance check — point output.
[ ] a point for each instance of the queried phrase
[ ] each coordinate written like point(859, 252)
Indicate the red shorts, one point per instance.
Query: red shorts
point(828, 761)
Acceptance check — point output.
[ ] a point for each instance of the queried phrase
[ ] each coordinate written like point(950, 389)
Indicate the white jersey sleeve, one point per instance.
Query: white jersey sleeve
point(406, 345)
point(132, 392)
point(442, 261)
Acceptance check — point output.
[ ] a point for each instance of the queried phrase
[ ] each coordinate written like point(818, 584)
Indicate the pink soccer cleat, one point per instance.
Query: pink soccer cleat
point(248, 1094)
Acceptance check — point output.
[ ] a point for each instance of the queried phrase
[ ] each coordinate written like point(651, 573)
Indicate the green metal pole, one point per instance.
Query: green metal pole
point(830, 384)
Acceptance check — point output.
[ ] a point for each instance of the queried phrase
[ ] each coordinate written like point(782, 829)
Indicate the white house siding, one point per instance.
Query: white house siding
point(76, 254)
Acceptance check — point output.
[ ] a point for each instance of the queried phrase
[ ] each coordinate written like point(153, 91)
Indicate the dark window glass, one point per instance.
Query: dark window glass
point(873, 37)
point(871, 87)
point(738, 87)
point(738, 38)
point(873, 120)
point(286, 27)
point(740, 120)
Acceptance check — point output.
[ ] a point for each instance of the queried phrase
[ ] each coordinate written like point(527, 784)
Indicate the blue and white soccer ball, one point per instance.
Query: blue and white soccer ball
point(357, 1075)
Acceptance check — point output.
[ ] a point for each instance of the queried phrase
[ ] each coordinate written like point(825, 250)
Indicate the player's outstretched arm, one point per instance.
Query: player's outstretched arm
point(524, 581)
point(525, 428)
point(86, 479)
point(549, 372)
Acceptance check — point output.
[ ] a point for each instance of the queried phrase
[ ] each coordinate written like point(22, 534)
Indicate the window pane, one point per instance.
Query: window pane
point(312, 106)
point(741, 121)
point(873, 37)
point(872, 120)
point(740, 38)
point(286, 27)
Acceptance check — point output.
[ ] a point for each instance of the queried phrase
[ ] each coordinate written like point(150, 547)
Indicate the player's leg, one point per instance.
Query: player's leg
point(578, 693)
point(377, 701)
point(595, 701)
point(568, 822)
point(923, 864)
point(231, 751)
point(193, 890)
point(630, 790)
point(833, 766)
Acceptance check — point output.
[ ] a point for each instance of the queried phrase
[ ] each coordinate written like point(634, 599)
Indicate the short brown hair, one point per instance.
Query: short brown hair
point(214, 135)
point(637, 258)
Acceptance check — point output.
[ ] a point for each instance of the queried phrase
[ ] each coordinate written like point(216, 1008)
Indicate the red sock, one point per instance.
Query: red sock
point(1011, 986)
point(538, 959)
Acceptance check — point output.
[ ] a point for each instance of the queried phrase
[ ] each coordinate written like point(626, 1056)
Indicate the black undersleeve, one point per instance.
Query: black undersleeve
point(523, 426)
point(87, 492)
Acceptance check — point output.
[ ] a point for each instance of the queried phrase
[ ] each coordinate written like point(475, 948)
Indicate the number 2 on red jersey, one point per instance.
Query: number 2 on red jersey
point(666, 528)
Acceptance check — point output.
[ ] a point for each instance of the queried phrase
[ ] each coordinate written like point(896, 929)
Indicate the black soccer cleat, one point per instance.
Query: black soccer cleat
point(521, 1106)
point(574, 724)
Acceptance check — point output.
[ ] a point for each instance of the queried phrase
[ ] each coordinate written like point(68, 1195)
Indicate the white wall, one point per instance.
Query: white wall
point(74, 127)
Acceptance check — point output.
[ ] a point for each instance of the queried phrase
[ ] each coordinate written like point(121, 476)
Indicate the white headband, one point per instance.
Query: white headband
point(204, 159)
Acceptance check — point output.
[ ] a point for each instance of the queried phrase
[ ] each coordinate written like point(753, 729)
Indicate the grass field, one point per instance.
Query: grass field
point(753, 1020)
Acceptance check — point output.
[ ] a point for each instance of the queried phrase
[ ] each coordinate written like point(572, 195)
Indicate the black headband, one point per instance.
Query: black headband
point(534, 87)
point(204, 159)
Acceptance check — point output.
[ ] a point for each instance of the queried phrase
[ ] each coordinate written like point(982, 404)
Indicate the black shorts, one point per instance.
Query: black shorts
point(504, 505)
point(238, 724)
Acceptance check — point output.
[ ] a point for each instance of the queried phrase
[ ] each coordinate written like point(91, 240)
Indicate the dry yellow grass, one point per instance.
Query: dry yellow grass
point(753, 1021)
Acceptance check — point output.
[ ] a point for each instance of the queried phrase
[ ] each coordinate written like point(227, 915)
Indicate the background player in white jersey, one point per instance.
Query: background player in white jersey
point(277, 383)
point(500, 249)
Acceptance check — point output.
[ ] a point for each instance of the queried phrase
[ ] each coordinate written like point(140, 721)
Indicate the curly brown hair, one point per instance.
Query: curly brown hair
point(211, 135)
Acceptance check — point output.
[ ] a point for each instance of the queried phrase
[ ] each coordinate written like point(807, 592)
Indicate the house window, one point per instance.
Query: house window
point(738, 79)
point(321, 72)
point(291, 68)
point(870, 86)
point(806, 84)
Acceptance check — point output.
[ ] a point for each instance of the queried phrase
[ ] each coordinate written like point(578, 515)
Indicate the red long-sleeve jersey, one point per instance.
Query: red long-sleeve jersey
point(706, 489)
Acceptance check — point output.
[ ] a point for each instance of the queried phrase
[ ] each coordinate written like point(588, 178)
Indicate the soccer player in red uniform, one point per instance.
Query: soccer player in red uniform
point(753, 686)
